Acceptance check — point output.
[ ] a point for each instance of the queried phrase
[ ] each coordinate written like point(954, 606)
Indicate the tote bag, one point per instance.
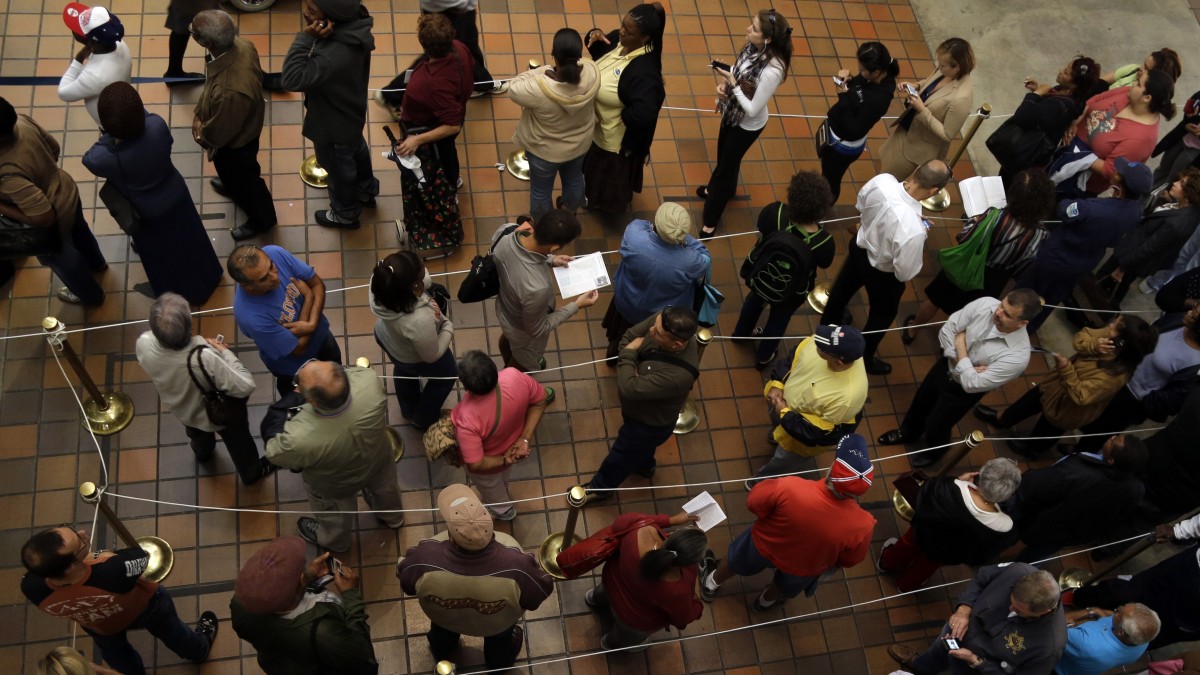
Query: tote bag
point(964, 263)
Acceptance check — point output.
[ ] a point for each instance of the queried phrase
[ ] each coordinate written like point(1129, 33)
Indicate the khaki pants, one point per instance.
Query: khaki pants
point(382, 491)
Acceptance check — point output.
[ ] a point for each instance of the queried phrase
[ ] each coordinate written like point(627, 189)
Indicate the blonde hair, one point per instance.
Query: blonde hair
point(64, 661)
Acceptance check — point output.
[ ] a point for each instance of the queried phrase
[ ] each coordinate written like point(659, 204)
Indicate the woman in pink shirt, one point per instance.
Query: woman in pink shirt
point(1123, 122)
point(494, 424)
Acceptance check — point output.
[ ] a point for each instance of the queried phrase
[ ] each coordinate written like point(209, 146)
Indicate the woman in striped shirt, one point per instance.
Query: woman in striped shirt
point(1014, 243)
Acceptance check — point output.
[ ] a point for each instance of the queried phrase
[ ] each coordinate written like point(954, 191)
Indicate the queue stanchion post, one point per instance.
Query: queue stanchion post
point(912, 480)
point(162, 556)
point(555, 543)
point(689, 414)
point(104, 412)
point(1131, 552)
point(942, 200)
point(445, 668)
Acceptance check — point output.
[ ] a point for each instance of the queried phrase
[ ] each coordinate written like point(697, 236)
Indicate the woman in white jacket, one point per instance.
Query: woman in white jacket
point(557, 119)
point(165, 352)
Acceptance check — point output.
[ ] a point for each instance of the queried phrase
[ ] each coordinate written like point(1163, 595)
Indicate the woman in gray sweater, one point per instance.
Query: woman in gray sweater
point(416, 335)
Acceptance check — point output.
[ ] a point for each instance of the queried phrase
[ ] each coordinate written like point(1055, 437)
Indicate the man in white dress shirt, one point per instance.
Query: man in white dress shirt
point(985, 345)
point(886, 251)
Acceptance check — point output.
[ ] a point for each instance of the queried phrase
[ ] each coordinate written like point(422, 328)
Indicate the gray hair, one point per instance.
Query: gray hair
point(171, 321)
point(998, 480)
point(1039, 590)
point(1141, 625)
point(216, 29)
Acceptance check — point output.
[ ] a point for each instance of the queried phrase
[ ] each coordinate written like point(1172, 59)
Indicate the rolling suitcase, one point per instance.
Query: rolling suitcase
point(432, 226)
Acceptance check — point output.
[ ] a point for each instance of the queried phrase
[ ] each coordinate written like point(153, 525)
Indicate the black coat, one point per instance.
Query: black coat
point(1076, 501)
point(1175, 135)
point(948, 533)
point(642, 93)
point(860, 107)
point(1173, 476)
point(1154, 244)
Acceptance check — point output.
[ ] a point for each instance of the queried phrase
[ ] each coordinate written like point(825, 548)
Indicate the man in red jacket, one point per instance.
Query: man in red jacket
point(804, 529)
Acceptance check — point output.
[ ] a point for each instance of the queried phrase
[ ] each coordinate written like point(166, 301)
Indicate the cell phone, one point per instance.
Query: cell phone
point(910, 90)
point(317, 585)
point(721, 65)
point(838, 81)
point(951, 643)
point(220, 338)
point(335, 566)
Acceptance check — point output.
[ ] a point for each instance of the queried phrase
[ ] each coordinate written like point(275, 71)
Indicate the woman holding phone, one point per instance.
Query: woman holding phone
point(742, 97)
point(862, 101)
point(937, 108)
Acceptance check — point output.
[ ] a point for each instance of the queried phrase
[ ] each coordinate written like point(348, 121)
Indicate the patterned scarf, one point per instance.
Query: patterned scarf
point(747, 69)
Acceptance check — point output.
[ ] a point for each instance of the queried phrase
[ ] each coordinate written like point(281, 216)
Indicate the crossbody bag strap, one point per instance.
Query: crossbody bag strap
point(673, 360)
point(200, 363)
point(496, 424)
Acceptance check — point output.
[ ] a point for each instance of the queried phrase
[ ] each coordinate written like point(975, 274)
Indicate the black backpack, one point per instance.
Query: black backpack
point(483, 280)
point(780, 266)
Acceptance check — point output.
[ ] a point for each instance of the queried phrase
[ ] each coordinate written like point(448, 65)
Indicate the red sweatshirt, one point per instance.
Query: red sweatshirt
point(648, 605)
point(804, 530)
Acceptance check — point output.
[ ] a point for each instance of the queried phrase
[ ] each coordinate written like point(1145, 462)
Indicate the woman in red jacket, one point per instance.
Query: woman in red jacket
point(650, 583)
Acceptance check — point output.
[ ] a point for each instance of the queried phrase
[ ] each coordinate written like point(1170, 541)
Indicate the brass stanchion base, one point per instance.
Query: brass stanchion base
point(1072, 578)
point(517, 164)
point(548, 554)
point(162, 558)
point(902, 507)
point(314, 174)
point(689, 417)
point(939, 202)
point(819, 296)
point(111, 419)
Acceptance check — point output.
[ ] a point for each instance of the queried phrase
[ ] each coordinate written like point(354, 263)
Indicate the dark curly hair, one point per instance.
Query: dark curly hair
point(808, 197)
point(1137, 339)
point(1085, 73)
point(436, 35)
point(1031, 197)
point(1191, 185)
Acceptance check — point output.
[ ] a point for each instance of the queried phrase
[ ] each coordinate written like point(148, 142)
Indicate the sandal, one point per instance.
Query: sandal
point(702, 192)
point(906, 337)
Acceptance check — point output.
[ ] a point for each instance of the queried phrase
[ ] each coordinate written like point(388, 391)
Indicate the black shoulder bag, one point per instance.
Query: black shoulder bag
point(223, 410)
point(118, 204)
point(483, 280)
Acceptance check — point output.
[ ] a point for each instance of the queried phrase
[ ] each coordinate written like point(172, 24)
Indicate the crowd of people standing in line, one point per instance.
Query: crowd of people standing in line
point(330, 424)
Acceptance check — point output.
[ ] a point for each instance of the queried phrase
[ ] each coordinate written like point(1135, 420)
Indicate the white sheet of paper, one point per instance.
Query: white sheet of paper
point(584, 273)
point(707, 509)
point(979, 193)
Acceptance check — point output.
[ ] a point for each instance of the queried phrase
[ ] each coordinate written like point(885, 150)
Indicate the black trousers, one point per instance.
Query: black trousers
point(1027, 406)
point(937, 406)
point(328, 351)
point(498, 649)
point(1122, 412)
point(467, 32)
point(241, 174)
point(834, 166)
point(884, 291)
point(732, 144)
point(238, 441)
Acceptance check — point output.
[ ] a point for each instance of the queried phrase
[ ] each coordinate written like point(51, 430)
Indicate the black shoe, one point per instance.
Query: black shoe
point(518, 639)
point(986, 413)
point(247, 230)
point(265, 468)
point(367, 203)
point(145, 289)
point(218, 187)
point(877, 366)
point(644, 472)
point(702, 192)
point(207, 626)
point(763, 365)
point(893, 437)
point(327, 218)
point(926, 459)
point(906, 337)
point(707, 234)
point(188, 79)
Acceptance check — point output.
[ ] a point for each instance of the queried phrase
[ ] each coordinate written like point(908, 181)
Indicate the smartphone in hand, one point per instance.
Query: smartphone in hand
point(910, 90)
point(721, 65)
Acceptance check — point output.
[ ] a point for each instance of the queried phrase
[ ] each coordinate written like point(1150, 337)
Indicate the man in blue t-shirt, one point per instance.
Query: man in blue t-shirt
point(1099, 640)
point(282, 317)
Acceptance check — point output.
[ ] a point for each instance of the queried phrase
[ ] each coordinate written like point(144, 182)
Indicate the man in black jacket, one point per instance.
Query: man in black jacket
point(1008, 620)
point(330, 61)
point(1081, 498)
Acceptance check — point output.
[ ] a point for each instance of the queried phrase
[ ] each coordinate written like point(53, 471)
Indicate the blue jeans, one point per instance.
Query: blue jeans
point(541, 183)
point(633, 450)
point(778, 317)
point(351, 179)
point(745, 560)
point(423, 405)
point(79, 259)
point(161, 619)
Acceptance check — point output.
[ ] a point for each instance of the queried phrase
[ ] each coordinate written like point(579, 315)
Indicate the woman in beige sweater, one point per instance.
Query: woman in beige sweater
point(557, 120)
point(1078, 389)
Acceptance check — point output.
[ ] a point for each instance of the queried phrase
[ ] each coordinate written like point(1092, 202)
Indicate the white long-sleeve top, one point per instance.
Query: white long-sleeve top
point(1005, 354)
point(1189, 529)
point(755, 109)
point(85, 81)
point(892, 232)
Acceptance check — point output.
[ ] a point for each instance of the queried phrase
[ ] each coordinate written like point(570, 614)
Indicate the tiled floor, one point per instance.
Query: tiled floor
point(45, 454)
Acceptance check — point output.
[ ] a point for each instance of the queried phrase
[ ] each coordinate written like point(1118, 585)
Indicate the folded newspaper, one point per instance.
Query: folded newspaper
point(707, 509)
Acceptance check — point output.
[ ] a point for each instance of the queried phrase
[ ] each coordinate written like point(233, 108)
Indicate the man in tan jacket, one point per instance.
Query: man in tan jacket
point(229, 120)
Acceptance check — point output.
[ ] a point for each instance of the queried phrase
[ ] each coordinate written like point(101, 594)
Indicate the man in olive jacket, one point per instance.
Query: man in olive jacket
point(302, 619)
point(338, 441)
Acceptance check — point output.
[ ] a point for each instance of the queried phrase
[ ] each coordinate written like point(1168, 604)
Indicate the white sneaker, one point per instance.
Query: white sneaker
point(879, 561)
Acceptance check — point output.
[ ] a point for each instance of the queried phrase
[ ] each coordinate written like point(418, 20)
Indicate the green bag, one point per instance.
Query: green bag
point(964, 263)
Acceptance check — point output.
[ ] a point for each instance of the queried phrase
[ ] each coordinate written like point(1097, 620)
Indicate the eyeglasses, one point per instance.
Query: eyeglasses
point(193, 33)
point(84, 544)
point(296, 377)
